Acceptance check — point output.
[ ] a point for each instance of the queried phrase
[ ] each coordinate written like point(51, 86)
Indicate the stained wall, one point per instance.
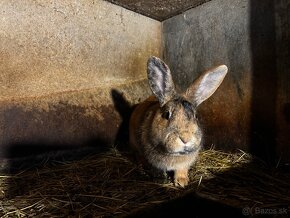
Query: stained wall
point(60, 61)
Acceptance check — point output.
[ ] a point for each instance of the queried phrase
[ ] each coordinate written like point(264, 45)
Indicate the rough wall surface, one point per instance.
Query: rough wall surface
point(247, 36)
point(56, 46)
point(60, 59)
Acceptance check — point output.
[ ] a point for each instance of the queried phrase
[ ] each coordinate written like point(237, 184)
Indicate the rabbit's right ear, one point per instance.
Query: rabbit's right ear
point(160, 80)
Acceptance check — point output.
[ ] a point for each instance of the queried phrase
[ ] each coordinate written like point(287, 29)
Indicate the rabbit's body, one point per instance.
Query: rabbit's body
point(163, 129)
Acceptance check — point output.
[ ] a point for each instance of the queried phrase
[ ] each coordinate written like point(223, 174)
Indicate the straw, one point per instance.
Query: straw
point(111, 184)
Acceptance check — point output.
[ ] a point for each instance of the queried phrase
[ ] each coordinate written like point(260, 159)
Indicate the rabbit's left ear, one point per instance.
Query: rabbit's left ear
point(205, 85)
point(160, 80)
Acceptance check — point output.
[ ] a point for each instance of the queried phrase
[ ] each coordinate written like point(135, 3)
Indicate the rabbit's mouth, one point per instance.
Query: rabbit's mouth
point(184, 152)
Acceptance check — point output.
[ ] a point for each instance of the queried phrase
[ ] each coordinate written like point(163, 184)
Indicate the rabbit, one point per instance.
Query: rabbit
point(163, 129)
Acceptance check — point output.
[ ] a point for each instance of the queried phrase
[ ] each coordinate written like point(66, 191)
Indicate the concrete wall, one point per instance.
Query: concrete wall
point(249, 110)
point(60, 60)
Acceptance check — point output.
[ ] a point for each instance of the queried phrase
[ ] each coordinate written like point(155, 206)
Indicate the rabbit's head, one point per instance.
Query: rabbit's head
point(175, 129)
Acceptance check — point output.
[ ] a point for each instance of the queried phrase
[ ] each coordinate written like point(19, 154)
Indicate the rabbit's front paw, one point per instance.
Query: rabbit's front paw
point(181, 178)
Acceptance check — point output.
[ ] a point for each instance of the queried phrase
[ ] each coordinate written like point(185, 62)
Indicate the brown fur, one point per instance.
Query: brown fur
point(163, 129)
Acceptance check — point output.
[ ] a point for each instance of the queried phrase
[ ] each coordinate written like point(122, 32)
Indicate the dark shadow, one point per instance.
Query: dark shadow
point(286, 112)
point(31, 156)
point(63, 133)
point(190, 205)
point(35, 140)
point(125, 110)
point(39, 139)
point(263, 129)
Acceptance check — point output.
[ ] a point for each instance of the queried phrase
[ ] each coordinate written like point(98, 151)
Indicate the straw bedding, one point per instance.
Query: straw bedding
point(110, 184)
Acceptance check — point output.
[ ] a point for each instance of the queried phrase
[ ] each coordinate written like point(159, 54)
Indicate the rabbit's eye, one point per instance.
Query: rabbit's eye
point(166, 115)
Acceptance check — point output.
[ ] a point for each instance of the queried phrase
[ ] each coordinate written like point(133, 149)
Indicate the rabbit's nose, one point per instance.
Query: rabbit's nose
point(185, 140)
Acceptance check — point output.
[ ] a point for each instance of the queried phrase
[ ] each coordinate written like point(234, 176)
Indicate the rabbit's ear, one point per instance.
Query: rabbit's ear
point(160, 80)
point(205, 85)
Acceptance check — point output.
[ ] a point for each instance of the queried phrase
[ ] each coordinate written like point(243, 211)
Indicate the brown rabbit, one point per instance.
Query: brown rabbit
point(164, 129)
